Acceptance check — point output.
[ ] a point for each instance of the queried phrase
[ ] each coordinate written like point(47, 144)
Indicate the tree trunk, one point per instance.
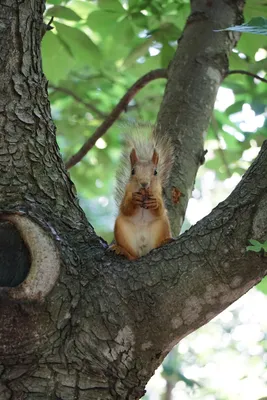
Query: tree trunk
point(85, 323)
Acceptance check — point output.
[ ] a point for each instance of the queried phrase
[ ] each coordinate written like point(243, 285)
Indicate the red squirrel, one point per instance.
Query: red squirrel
point(142, 223)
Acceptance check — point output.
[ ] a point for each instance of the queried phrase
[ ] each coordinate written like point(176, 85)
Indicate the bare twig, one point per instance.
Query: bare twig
point(215, 129)
point(240, 71)
point(47, 27)
point(69, 92)
point(115, 113)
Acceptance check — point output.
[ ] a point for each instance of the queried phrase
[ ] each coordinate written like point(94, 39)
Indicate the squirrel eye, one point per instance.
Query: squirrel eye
point(133, 171)
point(155, 172)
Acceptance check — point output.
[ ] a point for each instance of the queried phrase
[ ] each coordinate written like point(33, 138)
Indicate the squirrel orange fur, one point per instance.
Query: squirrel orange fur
point(142, 223)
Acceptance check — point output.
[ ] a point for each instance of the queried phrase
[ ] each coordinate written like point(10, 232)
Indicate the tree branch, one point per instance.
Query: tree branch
point(195, 74)
point(115, 113)
point(183, 285)
point(69, 92)
point(240, 71)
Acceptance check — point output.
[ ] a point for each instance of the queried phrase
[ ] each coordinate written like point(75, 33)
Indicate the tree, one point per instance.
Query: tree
point(76, 321)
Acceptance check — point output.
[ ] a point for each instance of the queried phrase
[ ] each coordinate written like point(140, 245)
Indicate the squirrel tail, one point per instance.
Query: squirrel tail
point(144, 140)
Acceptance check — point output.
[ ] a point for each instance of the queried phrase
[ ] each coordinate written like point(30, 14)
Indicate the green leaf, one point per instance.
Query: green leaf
point(249, 45)
point(213, 164)
point(123, 32)
point(167, 54)
point(103, 22)
point(54, 1)
point(258, 66)
point(111, 5)
point(138, 51)
point(57, 62)
point(234, 108)
point(257, 26)
point(82, 48)
point(254, 8)
point(134, 5)
point(63, 12)
point(254, 242)
point(262, 286)
point(256, 249)
point(231, 142)
point(237, 63)
point(257, 246)
point(140, 20)
point(82, 8)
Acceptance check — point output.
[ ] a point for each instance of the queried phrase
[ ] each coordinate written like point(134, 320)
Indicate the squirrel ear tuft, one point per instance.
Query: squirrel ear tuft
point(155, 158)
point(133, 157)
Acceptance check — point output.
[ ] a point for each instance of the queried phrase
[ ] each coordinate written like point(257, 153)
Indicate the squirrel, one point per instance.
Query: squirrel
point(142, 223)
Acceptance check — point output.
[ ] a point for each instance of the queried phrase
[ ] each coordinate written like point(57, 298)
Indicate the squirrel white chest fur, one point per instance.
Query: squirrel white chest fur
point(142, 237)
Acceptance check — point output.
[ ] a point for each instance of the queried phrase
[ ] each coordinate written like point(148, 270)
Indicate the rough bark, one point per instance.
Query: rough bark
point(107, 323)
point(194, 77)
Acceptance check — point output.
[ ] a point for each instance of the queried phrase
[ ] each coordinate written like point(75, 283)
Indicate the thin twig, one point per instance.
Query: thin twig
point(240, 71)
point(115, 113)
point(215, 129)
point(69, 92)
point(49, 26)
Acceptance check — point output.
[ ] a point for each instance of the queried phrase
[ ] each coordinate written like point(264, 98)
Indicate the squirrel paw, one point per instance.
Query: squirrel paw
point(137, 199)
point(151, 203)
point(121, 251)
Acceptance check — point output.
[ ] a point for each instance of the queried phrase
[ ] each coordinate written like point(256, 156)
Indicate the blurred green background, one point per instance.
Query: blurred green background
point(95, 52)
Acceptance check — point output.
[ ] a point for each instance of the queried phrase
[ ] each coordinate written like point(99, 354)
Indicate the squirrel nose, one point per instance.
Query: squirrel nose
point(144, 184)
